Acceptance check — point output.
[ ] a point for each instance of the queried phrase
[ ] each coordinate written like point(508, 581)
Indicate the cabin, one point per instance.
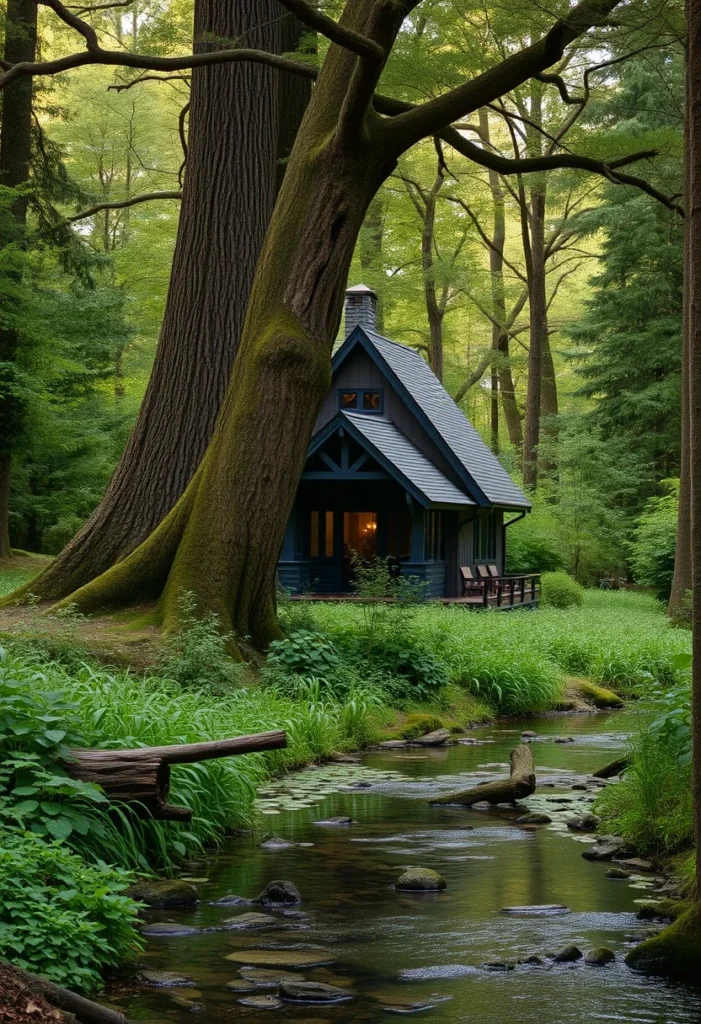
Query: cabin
point(395, 469)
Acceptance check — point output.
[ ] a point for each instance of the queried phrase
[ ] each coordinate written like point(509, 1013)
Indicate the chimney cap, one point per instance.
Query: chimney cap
point(361, 289)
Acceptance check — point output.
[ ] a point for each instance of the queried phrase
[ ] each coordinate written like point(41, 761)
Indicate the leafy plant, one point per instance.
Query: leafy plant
point(558, 590)
point(198, 653)
point(655, 541)
point(60, 917)
point(303, 653)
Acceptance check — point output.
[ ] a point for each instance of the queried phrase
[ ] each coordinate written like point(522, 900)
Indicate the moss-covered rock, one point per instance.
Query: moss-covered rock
point(420, 880)
point(599, 696)
point(169, 892)
point(675, 952)
point(419, 724)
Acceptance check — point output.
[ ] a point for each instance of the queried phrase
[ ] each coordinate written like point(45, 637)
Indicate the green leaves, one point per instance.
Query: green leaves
point(60, 917)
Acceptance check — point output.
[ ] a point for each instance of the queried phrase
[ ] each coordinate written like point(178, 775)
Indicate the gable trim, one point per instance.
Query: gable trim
point(358, 337)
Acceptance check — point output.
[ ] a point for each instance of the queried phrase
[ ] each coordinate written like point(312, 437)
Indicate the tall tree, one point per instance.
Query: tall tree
point(222, 539)
point(243, 118)
point(15, 154)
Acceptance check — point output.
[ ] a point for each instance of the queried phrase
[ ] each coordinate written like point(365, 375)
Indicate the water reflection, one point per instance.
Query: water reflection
point(396, 951)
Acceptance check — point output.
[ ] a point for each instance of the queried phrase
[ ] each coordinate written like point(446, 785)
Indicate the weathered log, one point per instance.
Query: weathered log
point(612, 768)
point(86, 1011)
point(520, 783)
point(142, 776)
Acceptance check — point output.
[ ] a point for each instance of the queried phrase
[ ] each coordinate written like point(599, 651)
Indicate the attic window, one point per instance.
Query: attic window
point(364, 400)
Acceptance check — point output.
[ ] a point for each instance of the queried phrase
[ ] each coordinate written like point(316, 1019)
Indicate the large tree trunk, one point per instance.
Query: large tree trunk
point(15, 152)
point(676, 951)
point(243, 119)
point(504, 383)
point(678, 607)
point(222, 540)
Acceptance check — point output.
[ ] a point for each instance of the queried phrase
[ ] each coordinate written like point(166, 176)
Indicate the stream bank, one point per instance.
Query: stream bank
point(451, 955)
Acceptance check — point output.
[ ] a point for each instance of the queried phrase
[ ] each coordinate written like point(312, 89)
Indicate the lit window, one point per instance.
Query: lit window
point(372, 401)
point(328, 540)
point(363, 400)
point(349, 399)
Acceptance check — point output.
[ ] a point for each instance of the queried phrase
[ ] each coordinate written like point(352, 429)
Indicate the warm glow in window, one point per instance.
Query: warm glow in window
point(349, 399)
point(372, 401)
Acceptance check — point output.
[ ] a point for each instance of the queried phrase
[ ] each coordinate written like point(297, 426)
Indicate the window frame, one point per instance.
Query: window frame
point(358, 407)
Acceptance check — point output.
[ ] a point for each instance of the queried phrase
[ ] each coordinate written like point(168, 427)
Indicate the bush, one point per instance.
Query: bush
point(532, 543)
point(409, 668)
point(558, 590)
point(198, 654)
point(60, 917)
point(655, 541)
point(303, 653)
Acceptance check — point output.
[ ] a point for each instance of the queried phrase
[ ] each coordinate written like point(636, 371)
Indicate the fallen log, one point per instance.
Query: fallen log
point(520, 783)
point(142, 776)
point(85, 1010)
point(612, 768)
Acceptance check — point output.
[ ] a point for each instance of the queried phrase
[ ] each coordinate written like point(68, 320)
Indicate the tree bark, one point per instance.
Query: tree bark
point(537, 301)
point(243, 119)
point(520, 783)
point(15, 153)
point(370, 244)
point(679, 607)
point(502, 379)
point(433, 309)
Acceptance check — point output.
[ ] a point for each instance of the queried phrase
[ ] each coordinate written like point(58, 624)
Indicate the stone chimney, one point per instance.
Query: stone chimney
point(361, 308)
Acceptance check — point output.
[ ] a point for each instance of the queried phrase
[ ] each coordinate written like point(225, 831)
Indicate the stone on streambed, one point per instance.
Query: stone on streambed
point(273, 843)
point(568, 955)
point(617, 873)
point(231, 901)
point(313, 992)
point(340, 821)
point(538, 909)
point(165, 979)
point(608, 847)
point(163, 893)
point(281, 957)
point(263, 1002)
point(534, 818)
point(600, 956)
point(262, 978)
point(279, 891)
point(183, 1003)
point(168, 929)
point(437, 738)
point(586, 822)
point(249, 921)
point(408, 1008)
point(420, 880)
point(564, 739)
point(637, 864)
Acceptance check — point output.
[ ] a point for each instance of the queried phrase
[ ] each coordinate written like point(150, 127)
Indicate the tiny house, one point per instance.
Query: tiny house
point(394, 469)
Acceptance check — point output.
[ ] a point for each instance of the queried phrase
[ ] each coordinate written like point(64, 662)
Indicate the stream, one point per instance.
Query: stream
point(440, 955)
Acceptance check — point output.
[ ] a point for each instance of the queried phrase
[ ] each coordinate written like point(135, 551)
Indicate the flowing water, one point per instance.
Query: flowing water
point(401, 953)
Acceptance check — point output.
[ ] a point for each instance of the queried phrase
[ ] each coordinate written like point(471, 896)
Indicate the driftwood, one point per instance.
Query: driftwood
point(142, 776)
point(85, 1010)
point(612, 768)
point(507, 791)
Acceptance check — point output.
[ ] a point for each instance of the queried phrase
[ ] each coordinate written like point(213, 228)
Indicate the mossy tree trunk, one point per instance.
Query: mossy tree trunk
point(222, 539)
point(242, 122)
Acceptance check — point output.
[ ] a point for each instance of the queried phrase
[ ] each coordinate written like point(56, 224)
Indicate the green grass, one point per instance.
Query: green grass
point(518, 660)
point(12, 577)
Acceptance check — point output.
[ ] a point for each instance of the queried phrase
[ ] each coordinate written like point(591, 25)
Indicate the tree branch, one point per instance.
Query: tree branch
point(147, 197)
point(366, 48)
point(528, 165)
point(94, 54)
point(430, 117)
point(148, 78)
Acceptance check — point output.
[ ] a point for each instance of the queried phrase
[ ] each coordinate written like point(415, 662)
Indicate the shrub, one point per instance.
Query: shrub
point(303, 653)
point(60, 917)
point(655, 541)
point(532, 543)
point(560, 591)
point(198, 653)
point(409, 668)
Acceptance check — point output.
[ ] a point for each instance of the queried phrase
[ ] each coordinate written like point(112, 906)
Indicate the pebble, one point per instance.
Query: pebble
point(250, 920)
point(586, 822)
point(168, 928)
point(534, 818)
point(313, 992)
point(335, 821)
point(600, 957)
point(420, 880)
point(275, 844)
point(617, 873)
point(165, 978)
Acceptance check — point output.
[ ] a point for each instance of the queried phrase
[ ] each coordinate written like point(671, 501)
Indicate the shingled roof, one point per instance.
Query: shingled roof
point(451, 431)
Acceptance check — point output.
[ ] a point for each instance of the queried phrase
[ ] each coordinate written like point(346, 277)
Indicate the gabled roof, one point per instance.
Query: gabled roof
point(450, 430)
point(397, 455)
